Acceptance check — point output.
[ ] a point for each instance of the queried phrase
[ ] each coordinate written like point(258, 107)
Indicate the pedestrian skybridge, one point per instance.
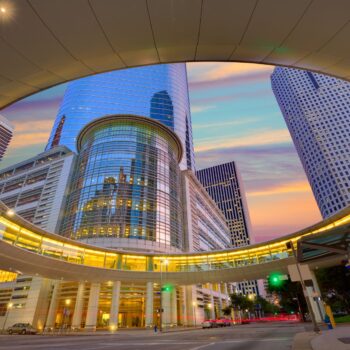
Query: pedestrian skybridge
point(25, 248)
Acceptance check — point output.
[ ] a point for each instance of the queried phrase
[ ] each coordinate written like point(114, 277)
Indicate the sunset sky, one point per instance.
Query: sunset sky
point(235, 117)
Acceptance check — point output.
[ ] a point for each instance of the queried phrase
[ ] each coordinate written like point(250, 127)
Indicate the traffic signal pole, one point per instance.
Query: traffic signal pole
point(309, 306)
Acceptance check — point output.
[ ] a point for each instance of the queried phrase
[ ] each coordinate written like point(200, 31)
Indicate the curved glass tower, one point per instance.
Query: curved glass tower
point(159, 92)
point(125, 190)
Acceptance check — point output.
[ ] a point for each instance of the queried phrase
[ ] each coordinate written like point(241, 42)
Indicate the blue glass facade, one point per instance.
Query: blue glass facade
point(159, 92)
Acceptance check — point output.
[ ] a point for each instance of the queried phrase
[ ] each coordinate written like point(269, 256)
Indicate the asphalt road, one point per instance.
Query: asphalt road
point(254, 336)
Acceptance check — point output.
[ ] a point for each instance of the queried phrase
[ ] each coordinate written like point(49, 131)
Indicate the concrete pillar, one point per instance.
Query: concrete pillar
point(114, 311)
point(191, 305)
point(91, 316)
point(51, 316)
point(166, 306)
point(174, 306)
point(78, 308)
point(149, 304)
point(212, 305)
point(183, 307)
point(220, 300)
point(225, 291)
point(314, 295)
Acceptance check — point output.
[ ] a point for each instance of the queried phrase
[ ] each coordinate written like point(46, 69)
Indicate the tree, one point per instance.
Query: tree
point(291, 296)
point(334, 283)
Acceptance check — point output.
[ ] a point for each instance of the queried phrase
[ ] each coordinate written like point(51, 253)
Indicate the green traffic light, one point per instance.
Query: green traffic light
point(275, 280)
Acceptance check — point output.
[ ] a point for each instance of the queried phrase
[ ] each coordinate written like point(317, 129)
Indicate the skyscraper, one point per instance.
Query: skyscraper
point(224, 185)
point(316, 109)
point(6, 132)
point(159, 92)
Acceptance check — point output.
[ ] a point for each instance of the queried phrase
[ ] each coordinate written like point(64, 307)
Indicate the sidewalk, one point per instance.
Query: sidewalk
point(335, 339)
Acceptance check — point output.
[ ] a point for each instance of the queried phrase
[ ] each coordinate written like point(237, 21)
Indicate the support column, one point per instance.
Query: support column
point(91, 316)
point(183, 307)
point(114, 311)
point(226, 295)
point(220, 300)
point(166, 305)
point(315, 299)
point(174, 307)
point(149, 304)
point(212, 305)
point(191, 305)
point(51, 316)
point(78, 308)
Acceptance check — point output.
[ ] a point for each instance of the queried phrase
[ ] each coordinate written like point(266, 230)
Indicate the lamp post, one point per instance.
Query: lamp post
point(166, 262)
point(309, 306)
point(194, 304)
point(9, 307)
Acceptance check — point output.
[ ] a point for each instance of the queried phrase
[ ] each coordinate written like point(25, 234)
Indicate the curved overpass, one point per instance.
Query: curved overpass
point(28, 249)
point(44, 43)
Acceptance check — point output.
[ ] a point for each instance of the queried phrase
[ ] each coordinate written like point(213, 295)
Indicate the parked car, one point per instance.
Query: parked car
point(223, 322)
point(209, 324)
point(22, 328)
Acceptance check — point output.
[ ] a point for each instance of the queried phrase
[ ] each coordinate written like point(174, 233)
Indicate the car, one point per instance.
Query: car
point(209, 324)
point(22, 328)
point(223, 322)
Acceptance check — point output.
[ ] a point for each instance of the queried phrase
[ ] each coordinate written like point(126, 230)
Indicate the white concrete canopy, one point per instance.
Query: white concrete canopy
point(44, 43)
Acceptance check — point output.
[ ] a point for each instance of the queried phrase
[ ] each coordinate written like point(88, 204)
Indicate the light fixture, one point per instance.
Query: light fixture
point(67, 301)
point(10, 305)
point(194, 303)
point(10, 212)
point(3, 9)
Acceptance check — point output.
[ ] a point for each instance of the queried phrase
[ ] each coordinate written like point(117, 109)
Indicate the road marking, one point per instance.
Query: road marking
point(202, 346)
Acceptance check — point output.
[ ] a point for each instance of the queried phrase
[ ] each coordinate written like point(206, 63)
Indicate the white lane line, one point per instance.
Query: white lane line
point(202, 346)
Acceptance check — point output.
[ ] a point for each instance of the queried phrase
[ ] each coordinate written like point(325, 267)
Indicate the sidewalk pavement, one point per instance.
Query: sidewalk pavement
point(335, 339)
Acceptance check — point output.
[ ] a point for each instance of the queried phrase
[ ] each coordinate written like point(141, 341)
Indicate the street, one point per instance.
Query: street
point(253, 336)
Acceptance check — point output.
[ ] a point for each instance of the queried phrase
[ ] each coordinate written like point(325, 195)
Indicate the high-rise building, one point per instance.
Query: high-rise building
point(224, 185)
point(316, 109)
point(36, 188)
point(6, 132)
point(159, 92)
point(125, 191)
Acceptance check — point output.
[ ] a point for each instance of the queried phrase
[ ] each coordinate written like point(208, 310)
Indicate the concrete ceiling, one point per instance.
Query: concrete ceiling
point(44, 43)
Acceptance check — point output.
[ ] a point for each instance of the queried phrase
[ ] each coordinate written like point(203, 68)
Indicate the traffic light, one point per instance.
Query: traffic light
point(167, 288)
point(276, 279)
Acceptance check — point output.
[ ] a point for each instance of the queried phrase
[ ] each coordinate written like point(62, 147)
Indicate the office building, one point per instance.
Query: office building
point(6, 132)
point(125, 192)
point(224, 185)
point(159, 92)
point(35, 189)
point(316, 109)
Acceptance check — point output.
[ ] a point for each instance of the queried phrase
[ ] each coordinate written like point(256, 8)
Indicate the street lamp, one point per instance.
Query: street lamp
point(194, 304)
point(9, 307)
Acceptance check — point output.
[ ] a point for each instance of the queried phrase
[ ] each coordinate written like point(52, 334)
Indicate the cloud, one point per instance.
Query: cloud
point(200, 108)
point(258, 137)
point(281, 189)
point(251, 94)
point(228, 123)
point(215, 75)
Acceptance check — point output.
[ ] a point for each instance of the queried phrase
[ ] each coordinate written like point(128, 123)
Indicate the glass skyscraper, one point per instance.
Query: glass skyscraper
point(126, 184)
point(316, 109)
point(159, 92)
